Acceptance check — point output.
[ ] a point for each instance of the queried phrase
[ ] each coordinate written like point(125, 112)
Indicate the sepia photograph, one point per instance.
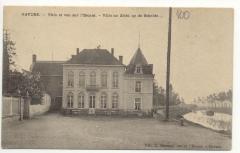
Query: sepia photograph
point(117, 78)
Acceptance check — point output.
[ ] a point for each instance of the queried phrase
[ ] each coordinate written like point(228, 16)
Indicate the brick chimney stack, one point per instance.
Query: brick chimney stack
point(34, 58)
point(112, 51)
point(121, 59)
point(77, 51)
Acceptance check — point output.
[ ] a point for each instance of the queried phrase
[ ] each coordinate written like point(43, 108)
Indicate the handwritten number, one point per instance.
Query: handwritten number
point(183, 15)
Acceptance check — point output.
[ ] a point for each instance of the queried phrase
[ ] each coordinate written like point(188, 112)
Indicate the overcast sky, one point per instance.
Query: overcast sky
point(202, 44)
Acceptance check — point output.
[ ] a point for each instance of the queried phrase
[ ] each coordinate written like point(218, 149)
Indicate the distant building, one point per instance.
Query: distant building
point(95, 81)
point(51, 76)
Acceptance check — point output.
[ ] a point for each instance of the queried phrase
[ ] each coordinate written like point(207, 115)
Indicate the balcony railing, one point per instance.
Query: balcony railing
point(92, 87)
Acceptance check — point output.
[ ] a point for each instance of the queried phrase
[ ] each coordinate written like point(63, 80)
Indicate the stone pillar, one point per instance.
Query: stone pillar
point(26, 102)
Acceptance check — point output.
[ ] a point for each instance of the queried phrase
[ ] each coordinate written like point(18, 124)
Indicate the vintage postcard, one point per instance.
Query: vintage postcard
point(156, 78)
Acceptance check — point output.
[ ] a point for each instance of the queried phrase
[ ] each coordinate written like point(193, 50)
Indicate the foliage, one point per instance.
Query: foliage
point(221, 96)
point(29, 84)
point(159, 95)
point(14, 81)
point(8, 62)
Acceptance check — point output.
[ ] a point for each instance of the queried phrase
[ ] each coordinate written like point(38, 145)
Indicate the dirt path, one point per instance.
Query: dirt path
point(57, 131)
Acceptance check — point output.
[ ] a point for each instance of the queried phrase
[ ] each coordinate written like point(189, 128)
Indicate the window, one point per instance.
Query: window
point(80, 100)
point(70, 79)
point(104, 79)
point(115, 100)
point(103, 100)
point(92, 101)
point(138, 86)
point(138, 69)
point(81, 79)
point(93, 78)
point(70, 100)
point(137, 104)
point(115, 79)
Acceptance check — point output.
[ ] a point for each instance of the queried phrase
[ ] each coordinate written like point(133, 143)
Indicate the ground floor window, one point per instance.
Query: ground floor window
point(81, 100)
point(70, 100)
point(103, 100)
point(92, 99)
point(115, 100)
point(137, 104)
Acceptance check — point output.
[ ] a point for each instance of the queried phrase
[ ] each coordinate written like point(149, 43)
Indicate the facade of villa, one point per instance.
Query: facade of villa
point(95, 81)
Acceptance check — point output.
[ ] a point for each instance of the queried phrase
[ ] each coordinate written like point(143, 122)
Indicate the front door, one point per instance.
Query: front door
point(92, 99)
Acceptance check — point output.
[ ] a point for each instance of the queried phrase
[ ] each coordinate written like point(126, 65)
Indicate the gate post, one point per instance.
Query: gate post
point(20, 105)
point(27, 102)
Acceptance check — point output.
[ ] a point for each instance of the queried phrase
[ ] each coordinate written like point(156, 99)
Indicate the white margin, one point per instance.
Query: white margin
point(150, 3)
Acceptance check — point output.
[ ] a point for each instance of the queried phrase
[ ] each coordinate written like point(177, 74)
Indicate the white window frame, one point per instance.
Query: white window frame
point(103, 101)
point(92, 101)
point(70, 79)
point(70, 100)
point(115, 102)
point(138, 86)
point(104, 79)
point(140, 102)
point(81, 100)
point(115, 81)
point(82, 79)
point(138, 69)
point(93, 78)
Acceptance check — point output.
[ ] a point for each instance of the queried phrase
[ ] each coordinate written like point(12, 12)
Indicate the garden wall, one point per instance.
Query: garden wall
point(42, 108)
point(12, 107)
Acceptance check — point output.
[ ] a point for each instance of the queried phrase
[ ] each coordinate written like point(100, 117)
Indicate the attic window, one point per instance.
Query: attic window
point(138, 69)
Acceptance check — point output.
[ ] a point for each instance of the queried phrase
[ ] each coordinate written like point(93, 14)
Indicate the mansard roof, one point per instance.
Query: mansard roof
point(95, 57)
point(138, 58)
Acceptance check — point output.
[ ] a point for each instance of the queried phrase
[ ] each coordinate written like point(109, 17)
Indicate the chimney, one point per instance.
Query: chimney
point(34, 58)
point(77, 51)
point(121, 59)
point(112, 51)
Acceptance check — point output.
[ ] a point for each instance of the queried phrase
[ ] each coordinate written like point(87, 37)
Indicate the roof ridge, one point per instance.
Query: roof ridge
point(94, 56)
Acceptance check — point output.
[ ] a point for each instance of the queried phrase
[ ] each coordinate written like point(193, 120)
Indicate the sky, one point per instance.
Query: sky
point(201, 50)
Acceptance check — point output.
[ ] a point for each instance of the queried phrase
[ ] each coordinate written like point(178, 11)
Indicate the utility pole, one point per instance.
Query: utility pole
point(52, 56)
point(168, 63)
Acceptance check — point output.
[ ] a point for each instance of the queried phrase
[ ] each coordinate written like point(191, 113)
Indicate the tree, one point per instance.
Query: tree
point(221, 96)
point(29, 84)
point(13, 80)
point(229, 94)
point(155, 93)
point(159, 96)
point(8, 62)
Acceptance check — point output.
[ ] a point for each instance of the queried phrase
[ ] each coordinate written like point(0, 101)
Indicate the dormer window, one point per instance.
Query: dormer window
point(138, 69)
